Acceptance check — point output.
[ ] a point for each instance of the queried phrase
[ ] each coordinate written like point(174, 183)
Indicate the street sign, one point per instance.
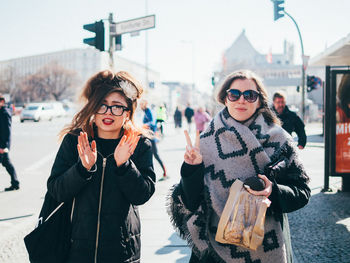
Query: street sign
point(136, 24)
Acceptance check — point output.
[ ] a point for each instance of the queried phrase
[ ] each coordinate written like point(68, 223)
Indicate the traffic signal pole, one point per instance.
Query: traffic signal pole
point(111, 42)
point(302, 68)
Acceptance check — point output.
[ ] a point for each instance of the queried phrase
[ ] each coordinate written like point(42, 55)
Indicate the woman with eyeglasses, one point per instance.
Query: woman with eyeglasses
point(104, 167)
point(243, 140)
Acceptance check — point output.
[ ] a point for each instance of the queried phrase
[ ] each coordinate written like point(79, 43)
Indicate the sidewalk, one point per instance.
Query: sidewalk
point(320, 231)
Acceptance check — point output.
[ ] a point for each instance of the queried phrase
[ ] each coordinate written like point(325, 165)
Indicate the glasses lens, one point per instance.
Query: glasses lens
point(102, 109)
point(250, 95)
point(233, 94)
point(117, 110)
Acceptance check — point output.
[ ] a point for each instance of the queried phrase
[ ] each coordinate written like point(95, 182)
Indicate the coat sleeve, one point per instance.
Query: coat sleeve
point(290, 191)
point(5, 129)
point(136, 177)
point(299, 128)
point(67, 176)
point(192, 183)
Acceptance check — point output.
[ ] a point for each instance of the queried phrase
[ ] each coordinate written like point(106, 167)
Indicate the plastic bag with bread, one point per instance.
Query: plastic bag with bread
point(243, 218)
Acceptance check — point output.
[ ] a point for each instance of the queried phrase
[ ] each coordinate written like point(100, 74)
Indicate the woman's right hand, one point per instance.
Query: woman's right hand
point(192, 155)
point(87, 153)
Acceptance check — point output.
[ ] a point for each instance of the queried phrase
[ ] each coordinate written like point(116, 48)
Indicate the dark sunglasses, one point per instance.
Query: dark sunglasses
point(117, 110)
point(249, 95)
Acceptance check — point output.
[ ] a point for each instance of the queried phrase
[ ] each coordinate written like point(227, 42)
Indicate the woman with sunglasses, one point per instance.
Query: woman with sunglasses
point(243, 140)
point(104, 167)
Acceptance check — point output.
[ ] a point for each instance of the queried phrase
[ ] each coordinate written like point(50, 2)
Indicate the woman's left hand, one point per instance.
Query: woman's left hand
point(268, 187)
point(126, 147)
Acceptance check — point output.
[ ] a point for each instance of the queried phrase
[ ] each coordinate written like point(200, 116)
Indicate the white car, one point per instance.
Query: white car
point(37, 112)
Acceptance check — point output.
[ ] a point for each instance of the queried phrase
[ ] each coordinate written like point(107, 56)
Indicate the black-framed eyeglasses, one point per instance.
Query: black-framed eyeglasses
point(249, 95)
point(116, 110)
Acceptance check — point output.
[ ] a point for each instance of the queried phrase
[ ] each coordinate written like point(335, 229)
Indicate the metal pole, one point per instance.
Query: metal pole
point(302, 68)
point(146, 49)
point(111, 42)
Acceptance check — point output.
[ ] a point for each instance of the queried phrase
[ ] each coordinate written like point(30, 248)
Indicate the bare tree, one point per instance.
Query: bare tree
point(50, 82)
point(8, 80)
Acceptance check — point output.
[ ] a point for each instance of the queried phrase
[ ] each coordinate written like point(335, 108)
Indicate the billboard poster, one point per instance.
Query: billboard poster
point(342, 132)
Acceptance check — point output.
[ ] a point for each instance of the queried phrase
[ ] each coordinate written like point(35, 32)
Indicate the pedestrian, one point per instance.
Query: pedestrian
point(201, 117)
point(161, 117)
point(5, 141)
point(178, 118)
point(105, 165)
point(189, 112)
point(291, 122)
point(148, 121)
point(242, 140)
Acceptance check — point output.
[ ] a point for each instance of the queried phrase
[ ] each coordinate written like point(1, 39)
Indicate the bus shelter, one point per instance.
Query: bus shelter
point(336, 60)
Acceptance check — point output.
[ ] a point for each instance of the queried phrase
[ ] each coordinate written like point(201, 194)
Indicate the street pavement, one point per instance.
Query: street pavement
point(320, 231)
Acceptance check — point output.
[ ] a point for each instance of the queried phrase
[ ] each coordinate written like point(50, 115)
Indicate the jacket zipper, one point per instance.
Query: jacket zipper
point(100, 204)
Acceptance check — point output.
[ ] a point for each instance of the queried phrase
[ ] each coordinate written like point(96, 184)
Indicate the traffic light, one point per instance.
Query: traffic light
point(99, 40)
point(313, 82)
point(213, 81)
point(278, 9)
point(118, 42)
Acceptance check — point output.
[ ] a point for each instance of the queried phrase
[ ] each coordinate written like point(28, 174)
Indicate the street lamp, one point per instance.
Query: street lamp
point(278, 13)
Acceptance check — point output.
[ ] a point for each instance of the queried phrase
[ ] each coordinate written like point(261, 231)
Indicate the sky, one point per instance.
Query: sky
point(189, 38)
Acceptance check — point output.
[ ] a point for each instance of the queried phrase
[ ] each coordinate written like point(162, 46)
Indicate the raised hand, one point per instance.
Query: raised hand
point(87, 153)
point(192, 155)
point(126, 147)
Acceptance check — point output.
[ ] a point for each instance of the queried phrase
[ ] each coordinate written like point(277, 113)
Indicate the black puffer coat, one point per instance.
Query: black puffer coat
point(106, 224)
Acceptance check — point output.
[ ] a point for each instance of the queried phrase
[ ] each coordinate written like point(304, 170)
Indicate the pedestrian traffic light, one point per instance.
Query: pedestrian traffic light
point(278, 9)
point(213, 81)
point(313, 82)
point(118, 42)
point(99, 40)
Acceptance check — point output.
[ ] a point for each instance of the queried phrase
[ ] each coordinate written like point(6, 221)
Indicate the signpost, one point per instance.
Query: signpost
point(134, 25)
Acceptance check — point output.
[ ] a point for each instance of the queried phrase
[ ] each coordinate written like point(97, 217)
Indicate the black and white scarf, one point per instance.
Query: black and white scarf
point(232, 150)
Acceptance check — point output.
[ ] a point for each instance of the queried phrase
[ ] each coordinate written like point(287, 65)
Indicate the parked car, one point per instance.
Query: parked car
point(37, 112)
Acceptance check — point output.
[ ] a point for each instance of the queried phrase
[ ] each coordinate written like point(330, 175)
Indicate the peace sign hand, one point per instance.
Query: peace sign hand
point(126, 147)
point(192, 155)
point(87, 153)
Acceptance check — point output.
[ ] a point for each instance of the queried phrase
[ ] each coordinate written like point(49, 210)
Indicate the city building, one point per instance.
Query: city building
point(85, 62)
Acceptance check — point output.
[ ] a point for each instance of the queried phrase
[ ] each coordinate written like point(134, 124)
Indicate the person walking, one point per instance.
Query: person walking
point(291, 122)
point(5, 142)
point(161, 117)
point(243, 140)
point(189, 112)
point(105, 165)
point(178, 118)
point(201, 117)
point(148, 121)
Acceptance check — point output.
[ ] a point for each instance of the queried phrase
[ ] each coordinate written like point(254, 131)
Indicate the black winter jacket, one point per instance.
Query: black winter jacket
point(105, 224)
point(5, 128)
point(292, 123)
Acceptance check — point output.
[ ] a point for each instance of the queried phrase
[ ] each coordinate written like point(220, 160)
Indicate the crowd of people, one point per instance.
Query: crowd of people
point(104, 168)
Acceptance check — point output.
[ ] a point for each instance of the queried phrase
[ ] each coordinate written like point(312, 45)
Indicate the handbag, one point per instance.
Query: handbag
point(50, 241)
point(243, 218)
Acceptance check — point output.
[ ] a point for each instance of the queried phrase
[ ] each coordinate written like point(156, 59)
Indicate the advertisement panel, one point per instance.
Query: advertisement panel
point(342, 129)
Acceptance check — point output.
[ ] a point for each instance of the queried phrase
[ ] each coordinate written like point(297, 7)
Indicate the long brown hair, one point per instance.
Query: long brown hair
point(344, 94)
point(264, 109)
point(98, 87)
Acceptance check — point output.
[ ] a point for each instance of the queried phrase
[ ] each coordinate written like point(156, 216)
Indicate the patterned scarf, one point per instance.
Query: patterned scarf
point(232, 150)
